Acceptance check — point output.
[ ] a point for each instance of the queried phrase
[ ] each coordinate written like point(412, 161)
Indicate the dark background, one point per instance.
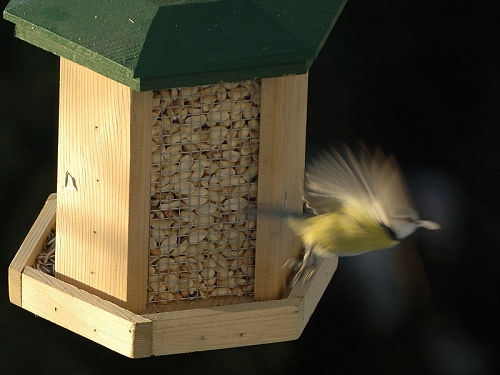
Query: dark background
point(420, 78)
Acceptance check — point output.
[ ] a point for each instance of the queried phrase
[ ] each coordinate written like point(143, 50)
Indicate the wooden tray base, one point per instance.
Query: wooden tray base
point(152, 334)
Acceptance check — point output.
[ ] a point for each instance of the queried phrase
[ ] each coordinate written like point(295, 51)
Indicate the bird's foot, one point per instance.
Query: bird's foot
point(304, 268)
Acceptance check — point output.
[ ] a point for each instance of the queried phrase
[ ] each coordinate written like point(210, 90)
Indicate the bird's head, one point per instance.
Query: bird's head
point(405, 221)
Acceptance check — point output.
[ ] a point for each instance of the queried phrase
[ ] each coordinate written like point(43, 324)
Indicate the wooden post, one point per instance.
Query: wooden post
point(281, 171)
point(103, 186)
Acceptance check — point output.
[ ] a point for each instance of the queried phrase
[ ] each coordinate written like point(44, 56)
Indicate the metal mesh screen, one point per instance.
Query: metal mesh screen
point(203, 177)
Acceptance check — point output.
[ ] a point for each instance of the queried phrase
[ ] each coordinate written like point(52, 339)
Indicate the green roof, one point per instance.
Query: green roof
point(154, 44)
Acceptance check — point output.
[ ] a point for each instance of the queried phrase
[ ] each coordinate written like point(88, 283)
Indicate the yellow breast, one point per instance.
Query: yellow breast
point(348, 231)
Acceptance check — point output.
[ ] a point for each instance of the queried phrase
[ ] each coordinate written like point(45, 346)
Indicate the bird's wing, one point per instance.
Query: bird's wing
point(373, 181)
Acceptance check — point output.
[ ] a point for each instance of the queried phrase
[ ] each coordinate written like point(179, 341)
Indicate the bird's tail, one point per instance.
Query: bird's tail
point(273, 212)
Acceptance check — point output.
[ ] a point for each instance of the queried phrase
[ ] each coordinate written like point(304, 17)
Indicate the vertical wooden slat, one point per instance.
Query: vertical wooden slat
point(103, 186)
point(281, 170)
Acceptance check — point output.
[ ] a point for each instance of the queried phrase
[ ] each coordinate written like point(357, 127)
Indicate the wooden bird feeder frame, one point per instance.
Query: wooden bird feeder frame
point(134, 76)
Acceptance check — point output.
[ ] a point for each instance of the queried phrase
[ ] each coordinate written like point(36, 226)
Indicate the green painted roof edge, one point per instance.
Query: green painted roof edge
point(205, 78)
point(77, 54)
point(296, 62)
point(120, 74)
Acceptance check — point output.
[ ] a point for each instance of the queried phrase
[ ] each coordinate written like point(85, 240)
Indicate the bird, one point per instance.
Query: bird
point(355, 204)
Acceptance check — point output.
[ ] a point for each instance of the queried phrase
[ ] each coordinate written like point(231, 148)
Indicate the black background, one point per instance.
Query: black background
point(420, 78)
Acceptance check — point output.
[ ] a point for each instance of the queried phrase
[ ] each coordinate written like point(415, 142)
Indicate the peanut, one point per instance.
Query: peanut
point(204, 173)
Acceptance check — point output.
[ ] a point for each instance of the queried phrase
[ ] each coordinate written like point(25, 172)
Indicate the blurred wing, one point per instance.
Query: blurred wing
point(372, 181)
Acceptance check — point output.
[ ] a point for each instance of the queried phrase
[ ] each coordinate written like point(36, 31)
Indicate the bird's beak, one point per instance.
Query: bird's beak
point(427, 224)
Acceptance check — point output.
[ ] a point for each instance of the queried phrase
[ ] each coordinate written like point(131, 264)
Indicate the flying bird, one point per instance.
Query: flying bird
point(357, 204)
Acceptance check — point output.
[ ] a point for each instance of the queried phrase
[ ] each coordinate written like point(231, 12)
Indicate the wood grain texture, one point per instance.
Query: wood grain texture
point(31, 247)
point(311, 292)
point(281, 170)
point(174, 332)
point(225, 326)
point(87, 315)
point(179, 331)
point(103, 187)
point(243, 324)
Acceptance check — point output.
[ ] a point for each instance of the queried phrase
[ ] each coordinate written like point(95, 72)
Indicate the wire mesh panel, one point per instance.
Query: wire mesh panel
point(203, 177)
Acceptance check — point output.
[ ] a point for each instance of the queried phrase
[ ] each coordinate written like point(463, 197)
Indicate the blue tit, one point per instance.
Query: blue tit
point(359, 204)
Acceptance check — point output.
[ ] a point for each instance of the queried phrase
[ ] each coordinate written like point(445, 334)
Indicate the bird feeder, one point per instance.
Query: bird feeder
point(175, 117)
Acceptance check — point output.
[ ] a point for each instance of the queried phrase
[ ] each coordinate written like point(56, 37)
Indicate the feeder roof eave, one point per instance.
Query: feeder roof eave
point(153, 44)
